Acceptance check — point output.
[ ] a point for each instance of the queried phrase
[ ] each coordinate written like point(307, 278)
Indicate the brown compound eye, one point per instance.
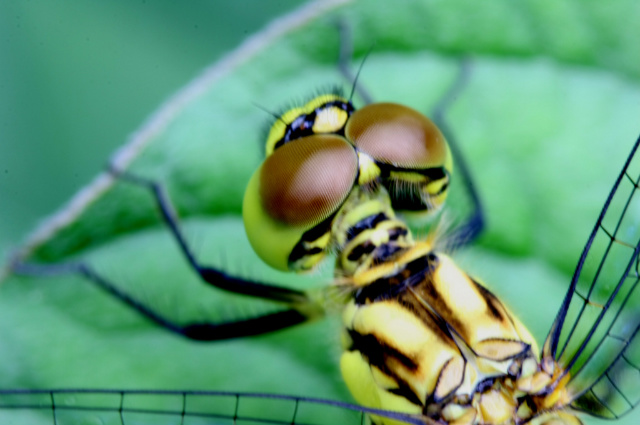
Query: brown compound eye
point(298, 187)
point(397, 135)
point(305, 182)
point(411, 151)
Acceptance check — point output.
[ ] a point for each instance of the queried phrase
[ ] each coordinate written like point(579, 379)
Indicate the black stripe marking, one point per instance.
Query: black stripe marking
point(428, 292)
point(393, 286)
point(384, 252)
point(302, 125)
point(313, 234)
point(432, 173)
point(494, 306)
point(379, 354)
point(405, 391)
point(435, 324)
point(358, 251)
point(378, 351)
point(366, 223)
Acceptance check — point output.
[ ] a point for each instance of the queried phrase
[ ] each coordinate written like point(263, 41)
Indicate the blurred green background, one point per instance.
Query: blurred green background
point(548, 115)
point(76, 77)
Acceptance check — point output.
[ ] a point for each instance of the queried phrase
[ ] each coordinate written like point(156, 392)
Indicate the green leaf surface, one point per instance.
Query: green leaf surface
point(545, 120)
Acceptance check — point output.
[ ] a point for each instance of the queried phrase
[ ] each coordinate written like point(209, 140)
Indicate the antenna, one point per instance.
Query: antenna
point(273, 114)
point(355, 80)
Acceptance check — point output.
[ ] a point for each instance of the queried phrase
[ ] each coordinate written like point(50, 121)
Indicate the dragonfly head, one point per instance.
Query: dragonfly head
point(324, 153)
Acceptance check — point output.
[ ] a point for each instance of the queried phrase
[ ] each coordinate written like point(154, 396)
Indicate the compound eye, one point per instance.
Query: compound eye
point(397, 135)
point(297, 188)
point(306, 181)
point(411, 151)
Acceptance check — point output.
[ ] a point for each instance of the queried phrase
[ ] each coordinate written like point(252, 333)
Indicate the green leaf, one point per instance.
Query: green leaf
point(546, 119)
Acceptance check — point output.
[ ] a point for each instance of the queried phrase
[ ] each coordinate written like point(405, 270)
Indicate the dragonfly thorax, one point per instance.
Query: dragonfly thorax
point(410, 344)
point(367, 232)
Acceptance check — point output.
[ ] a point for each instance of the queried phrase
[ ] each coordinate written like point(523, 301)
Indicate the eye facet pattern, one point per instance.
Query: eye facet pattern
point(298, 188)
point(411, 151)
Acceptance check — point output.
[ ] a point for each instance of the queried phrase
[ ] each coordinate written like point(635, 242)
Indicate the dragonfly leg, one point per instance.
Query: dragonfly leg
point(200, 331)
point(468, 231)
point(297, 307)
point(210, 275)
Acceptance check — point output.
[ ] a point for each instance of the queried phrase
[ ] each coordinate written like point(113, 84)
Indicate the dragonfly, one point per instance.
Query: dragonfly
point(482, 364)
point(122, 401)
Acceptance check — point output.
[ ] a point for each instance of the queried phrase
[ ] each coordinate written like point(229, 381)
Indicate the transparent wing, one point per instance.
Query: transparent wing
point(595, 334)
point(107, 407)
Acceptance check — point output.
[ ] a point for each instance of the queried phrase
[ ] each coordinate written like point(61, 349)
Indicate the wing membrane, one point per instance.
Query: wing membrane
point(115, 407)
point(595, 334)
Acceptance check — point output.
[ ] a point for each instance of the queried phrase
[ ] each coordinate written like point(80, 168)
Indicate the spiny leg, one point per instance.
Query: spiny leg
point(210, 275)
point(474, 224)
point(297, 307)
point(200, 331)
